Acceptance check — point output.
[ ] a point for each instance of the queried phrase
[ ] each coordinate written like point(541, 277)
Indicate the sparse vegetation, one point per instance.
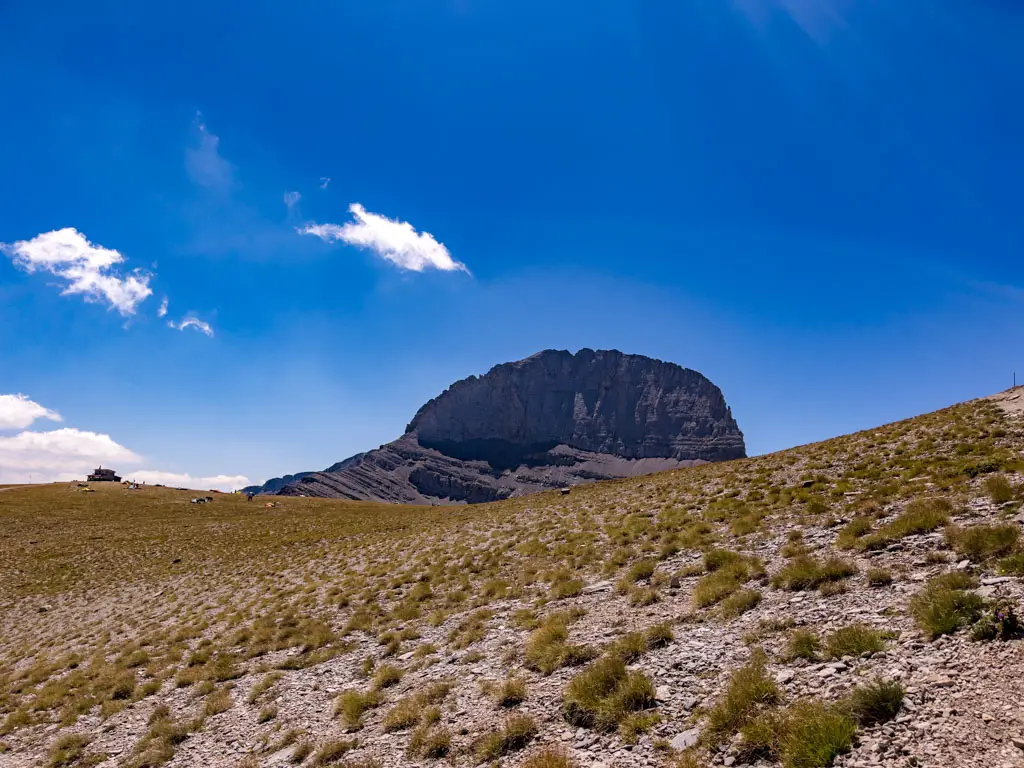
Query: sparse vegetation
point(876, 702)
point(813, 734)
point(231, 602)
point(805, 572)
point(511, 692)
point(739, 603)
point(998, 489)
point(879, 577)
point(67, 750)
point(945, 605)
point(919, 516)
point(605, 693)
point(854, 640)
point(548, 648)
point(351, 705)
point(550, 757)
point(332, 751)
point(983, 542)
point(516, 733)
point(803, 644)
point(749, 691)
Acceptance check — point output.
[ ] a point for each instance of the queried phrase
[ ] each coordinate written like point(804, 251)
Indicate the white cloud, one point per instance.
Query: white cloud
point(192, 322)
point(179, 480)
point(71, 454)
point(291, 199)
point(162, 312)
point(18, 412)
point(324, 181)
point(58, 454)
point(67, 254)
point(392, 240)
point(204, 163)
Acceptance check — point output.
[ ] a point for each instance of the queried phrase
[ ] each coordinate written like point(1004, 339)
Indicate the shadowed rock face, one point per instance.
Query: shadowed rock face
point(552, 419)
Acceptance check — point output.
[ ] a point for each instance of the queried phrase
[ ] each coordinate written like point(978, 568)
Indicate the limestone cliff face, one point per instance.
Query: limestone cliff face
point(604, 402)
point(552, 419)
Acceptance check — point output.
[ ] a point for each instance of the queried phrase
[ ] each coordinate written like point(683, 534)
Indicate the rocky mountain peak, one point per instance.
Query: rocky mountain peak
point(551, 419)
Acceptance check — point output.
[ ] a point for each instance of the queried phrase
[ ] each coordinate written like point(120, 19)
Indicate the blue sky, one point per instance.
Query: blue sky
point(816, 203)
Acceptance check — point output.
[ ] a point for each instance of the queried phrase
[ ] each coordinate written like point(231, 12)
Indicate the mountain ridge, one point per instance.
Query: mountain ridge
point(551, 419)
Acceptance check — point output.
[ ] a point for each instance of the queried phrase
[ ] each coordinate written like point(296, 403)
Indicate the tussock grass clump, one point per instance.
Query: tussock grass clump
point(629, 647)
point(739, 603)
point(431, 743)
point(351, 705)
point(262, 686)
point(945, 605)
point(267, 714)
point(876, 702)
point(803, 644)
point(634, 725)
point(641, 570)
point(67, 750)
point(562, 590)
point(548, 649)
point(303, 749)
point(550, 757)
point(954, 580)
point(999, 621)
point(879, 577)
point(640, 597)
point(157, 745)
point(1012, 565)
point(806, 572)
point(854, 640)
point(603, 694)
point(728, 571)
point(659, 635)
point(415, 708)
point(633, 645)
point(983, 542)
point(386, 676)
point(332, 752)
point(516, 733)
point(511, 692)
point(998, 489)
point(472, 629)
point(716, 559)
point(814, 734)
point(749, 692)
point(19, 718)
point(217, 702)
point(919, 516)
point(851, 533)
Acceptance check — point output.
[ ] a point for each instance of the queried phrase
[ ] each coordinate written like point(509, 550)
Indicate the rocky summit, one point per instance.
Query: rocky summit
point(553, 419)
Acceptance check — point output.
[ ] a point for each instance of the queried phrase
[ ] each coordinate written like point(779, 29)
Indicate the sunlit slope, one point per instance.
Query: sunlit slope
point(150, 630)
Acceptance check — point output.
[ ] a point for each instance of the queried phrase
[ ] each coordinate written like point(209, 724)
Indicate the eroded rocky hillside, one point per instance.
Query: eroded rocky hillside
point(552, 419)
point(851, 602)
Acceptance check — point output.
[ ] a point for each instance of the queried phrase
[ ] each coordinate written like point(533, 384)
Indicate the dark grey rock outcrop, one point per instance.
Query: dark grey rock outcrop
point(552, 419)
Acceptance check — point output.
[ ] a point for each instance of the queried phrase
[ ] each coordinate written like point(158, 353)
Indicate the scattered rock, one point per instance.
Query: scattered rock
point(686, 739)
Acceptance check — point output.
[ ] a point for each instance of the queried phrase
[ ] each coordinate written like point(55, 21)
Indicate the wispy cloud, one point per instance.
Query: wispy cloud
point(18, 412)
point(86, 268)
point(395, 241)
point(291, 199)
point(324, 181)
point(204, 163)
point(192, 322)
point(162, 312)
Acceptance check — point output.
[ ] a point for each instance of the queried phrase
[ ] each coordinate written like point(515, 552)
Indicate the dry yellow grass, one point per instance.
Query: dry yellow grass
point(112, 598)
